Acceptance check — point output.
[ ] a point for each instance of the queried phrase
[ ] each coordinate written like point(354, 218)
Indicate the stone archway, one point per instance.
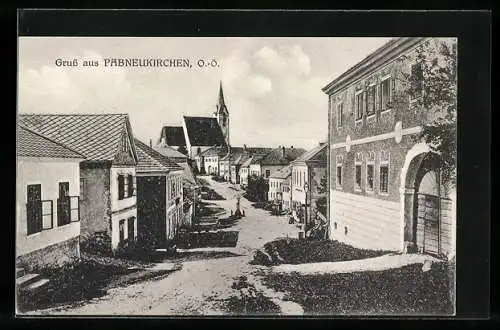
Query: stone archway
point(418, 158)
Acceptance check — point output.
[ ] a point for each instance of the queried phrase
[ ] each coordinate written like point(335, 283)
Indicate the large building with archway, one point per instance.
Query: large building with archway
point(384, 183)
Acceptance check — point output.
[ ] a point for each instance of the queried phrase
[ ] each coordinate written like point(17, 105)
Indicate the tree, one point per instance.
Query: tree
point(257, 188)
point(434, 93)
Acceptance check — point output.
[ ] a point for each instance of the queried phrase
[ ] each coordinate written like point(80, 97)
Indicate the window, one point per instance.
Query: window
point(121, 228)
point(268, 173)
point(416, 80)
point(384, 178)
point(370, 108)
point(34, 208)
point(131, 228)
point(63, 205)
point(369, 177)
point(82, 189)
point(385, 93)
point(130, 183)
point(340, 114)
point(339, 175)
point(359, 106)
point(121, 187)
point(357, 183)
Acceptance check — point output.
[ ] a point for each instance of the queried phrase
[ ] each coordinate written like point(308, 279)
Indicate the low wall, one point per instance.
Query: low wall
point(52, 255)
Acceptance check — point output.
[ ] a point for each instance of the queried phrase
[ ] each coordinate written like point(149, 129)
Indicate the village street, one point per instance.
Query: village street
point(200, 285)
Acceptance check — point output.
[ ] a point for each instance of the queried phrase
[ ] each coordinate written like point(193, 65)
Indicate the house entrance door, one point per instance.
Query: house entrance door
point(428, 222)
point(63, 204)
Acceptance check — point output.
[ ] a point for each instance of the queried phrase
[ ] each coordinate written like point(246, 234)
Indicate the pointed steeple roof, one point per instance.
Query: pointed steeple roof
point(221, 102)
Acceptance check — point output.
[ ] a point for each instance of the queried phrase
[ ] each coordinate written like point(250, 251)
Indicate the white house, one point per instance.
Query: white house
point(47, 200)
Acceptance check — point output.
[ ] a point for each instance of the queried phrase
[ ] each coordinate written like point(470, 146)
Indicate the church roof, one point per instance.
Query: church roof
point(174, 136)
point(203, 131)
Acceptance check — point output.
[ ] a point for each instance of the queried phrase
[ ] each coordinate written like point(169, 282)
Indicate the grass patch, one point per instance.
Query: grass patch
point(295, 251)
point(249, 301)
point(407, 290)
point(81, 279)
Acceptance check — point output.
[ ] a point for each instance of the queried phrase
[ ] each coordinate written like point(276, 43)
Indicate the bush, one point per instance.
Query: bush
point(141, 249)
point(97, 243)
point(249, 300)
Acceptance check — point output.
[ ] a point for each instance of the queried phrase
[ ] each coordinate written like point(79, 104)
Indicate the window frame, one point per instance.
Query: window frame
point(373, 96)
point(359, 101)
point(339, 164)
point(129, 221)
point(121, 230)
point(340, 114)
point(383, 102)
point(358, 161)
point(384, 162)
point(121, 186)
point(370, 161)
point(83, 188)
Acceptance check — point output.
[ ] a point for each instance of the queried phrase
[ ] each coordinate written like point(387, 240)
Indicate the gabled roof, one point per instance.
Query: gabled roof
point(204, 131)
point(169, 152)
point(152, 161)
point(34, 144)
point(174, 136)
point(282, 173)
point(215, 151)
point(247, 162)
point(276, 156)
point(95, 136)
point(257, 158)
point(315, 154)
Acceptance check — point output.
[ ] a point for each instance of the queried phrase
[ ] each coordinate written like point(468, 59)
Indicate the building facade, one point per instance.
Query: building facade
point(47, 201)
point(384, 187)
point(107, 175)
point(277, 188)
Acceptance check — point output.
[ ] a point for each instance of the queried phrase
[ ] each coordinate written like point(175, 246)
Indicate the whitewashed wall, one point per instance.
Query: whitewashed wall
point(48, 173)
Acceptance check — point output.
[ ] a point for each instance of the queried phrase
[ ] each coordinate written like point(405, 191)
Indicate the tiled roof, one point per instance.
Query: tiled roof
point(152, 161)
point(204, 131)
point(247, 162)
point(174, 136)
point(96, 136)
point(256, 159)
point(315, 154)
point(282, 173)
point(215, 151)
point(34, 144)
point(276, 156)
point(188, 173)
point(169, 152)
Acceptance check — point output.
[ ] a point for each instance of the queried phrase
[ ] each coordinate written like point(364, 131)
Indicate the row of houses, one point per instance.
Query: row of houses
point(85, 175)
point(384, 183)
point(298, 186)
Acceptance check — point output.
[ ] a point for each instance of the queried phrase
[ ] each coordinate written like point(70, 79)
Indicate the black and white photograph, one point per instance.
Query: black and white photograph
point(181, 176)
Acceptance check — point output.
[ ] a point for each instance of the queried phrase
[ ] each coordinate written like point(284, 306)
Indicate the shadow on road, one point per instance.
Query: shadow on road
point(202, 255)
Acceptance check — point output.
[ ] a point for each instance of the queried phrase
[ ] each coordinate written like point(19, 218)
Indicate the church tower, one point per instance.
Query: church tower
point(222, 115)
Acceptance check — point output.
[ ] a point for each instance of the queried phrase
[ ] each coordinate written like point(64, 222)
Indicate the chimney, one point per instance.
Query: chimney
point(291, 147)
point(283, 152)
point(245, 147)
point(151, 143)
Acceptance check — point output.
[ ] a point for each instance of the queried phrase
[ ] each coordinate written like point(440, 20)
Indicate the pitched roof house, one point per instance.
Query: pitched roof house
point(162, 178)
point(107, 175)
point(47, 200)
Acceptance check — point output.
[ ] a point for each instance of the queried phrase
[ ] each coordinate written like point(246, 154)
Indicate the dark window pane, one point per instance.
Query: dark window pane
point(358, 176)
point(34, 208)
point(369, 177)
point(384, 178)
point(121, 188)
point(121, 228)
point(339, 175)
point(131, 228)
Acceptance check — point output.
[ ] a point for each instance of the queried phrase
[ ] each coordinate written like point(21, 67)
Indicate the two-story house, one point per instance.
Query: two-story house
point(107, 175)
point(277, 188)
point(308, 171)
point(276, 159)
point(384, 185)
point(47, 201)
point(159, 195)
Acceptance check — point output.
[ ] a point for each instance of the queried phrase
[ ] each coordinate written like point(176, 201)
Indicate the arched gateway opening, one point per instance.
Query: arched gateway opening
point(423, 197)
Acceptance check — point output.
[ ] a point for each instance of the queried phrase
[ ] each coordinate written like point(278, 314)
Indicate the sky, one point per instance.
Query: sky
point(272, 86)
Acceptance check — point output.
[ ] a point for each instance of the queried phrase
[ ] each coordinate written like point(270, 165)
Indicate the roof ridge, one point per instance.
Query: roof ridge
point(49, 139)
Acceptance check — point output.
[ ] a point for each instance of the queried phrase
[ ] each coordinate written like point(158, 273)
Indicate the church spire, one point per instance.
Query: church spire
point(221, 103)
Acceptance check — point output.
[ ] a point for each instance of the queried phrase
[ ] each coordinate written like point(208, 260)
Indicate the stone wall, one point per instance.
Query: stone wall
point(52, 255)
